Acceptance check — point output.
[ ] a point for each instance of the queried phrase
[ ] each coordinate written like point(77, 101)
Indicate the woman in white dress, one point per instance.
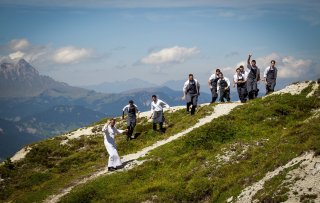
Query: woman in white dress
point(110, 131)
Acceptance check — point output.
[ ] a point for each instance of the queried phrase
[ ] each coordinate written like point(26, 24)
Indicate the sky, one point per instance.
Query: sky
point(90, 42)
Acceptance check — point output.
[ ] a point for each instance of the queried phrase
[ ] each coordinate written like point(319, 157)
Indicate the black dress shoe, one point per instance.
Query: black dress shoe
point(111, 169)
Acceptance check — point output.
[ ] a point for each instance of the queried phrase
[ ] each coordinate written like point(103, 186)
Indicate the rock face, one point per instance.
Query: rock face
point(22, 80)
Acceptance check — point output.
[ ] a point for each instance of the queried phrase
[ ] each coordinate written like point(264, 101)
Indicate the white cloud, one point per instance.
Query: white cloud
point(71, 54)
point(294, 68)
point(171, 55)
point(288, 66)
point(43, 55)
point(16, 55)
point(19, 44)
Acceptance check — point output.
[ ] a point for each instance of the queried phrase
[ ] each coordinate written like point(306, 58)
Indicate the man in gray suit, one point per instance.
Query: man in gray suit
point(253, 78)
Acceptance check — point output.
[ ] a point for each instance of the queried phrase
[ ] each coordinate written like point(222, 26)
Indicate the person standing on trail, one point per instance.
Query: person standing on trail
point(224, 88)
point(270, 77)
point(157, 106)
point(240, 80)
point(110, 131)
point(132, 110)
point(245, 75)
point(253, 78)
point(191, 91)
point(212, 82)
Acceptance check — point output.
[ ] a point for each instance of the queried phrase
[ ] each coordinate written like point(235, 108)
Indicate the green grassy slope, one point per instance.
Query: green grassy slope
point(259, 137)
point(50, 166)
point(256, 137)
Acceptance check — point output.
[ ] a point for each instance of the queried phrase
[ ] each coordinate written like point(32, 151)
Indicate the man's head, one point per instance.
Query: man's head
point(112, 122)
point(190, 76)
point(241, 68)
point(273, 63)
point(154, 98)
point(253, 62)
point(220, 75)
point(130, 102)
point(218, 71)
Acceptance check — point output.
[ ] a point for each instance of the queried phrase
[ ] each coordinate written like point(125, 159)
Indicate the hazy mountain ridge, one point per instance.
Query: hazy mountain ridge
point(60, 119)
point(120, 86)
point(13, 138)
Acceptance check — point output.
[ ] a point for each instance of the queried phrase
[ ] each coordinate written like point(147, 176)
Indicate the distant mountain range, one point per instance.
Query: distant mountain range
point(120, 86)
point(12, 138)
point(34, 107)
point(176, 84)
point(134, 83)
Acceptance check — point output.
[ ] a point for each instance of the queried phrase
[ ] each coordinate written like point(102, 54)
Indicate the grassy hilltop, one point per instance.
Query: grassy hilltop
point(211, 164)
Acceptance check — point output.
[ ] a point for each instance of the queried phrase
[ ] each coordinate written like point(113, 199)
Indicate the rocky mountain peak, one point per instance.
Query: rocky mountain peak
point(21, 69)
point(20, 79)
point(25, 67)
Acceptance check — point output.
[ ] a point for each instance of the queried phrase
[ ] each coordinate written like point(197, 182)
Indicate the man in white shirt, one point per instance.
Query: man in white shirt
point(270, 77)
point(224, 88)
point(243, 72)
point(240, 80)
point(157, 106)
point(212, 82)
point(131, 109)
point(110, 131)
point(191, 91)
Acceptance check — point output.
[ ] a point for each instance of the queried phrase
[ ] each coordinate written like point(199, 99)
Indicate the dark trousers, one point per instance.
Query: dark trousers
point(252, 87)
point(131, 124)
point(242, 92)
point(130, 130)
point(193, 108)
point(192, 99)
point(214, 94)
point(271, 83)
point(224, 94)
point(154, 126)
point(253, 94)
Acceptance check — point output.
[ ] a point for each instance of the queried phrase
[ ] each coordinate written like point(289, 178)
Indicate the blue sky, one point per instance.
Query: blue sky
point(90, 42)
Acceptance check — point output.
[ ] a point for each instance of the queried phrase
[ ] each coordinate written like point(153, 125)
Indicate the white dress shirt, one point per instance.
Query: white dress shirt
point(159, 105)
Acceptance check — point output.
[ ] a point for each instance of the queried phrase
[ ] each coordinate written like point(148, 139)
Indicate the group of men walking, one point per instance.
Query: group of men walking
point(245, 80)
point(247, 86)
point(132, 111)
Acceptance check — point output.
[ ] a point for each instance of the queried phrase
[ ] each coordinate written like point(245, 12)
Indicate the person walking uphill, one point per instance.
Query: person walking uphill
point(240, 80)
point(110, 131)
point(131, 109)
point(253, 78)
point(212, 82)
point(191, 91)
point(224, 88)
point(270, 77)
point(157, 107)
